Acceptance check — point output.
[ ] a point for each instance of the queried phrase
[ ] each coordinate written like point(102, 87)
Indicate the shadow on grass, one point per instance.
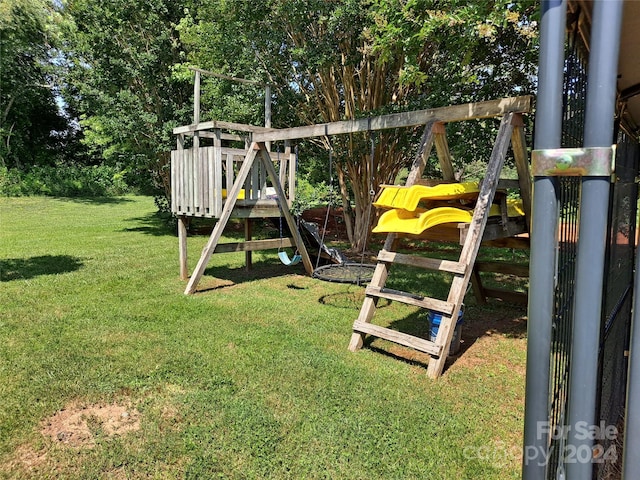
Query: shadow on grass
point(493, 319)
point(351, 299)
point(97, 200)
point(224, 276)
point(27, 268)
point(156, 224)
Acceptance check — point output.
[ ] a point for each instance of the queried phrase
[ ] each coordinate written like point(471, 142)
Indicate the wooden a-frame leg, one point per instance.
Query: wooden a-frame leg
point(284, 207)
point(369, 304)
point(478, 289)
point(222, 222)
point(472, 242)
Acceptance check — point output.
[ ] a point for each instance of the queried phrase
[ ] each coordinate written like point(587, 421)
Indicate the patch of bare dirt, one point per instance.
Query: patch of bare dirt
point(76, 425)
point(25, 458)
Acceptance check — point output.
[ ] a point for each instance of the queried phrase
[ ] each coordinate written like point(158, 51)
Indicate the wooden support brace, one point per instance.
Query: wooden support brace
point(293, 228)
point(472, 242)
point(222, 222)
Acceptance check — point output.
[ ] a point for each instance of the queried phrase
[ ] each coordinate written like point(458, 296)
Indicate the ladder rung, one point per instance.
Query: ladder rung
point(423, 262)
point(410, 341)
point(411, 299)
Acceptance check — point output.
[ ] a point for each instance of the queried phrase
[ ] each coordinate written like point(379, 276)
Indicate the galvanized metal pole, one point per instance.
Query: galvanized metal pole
point(543, 242)
point(594, 208)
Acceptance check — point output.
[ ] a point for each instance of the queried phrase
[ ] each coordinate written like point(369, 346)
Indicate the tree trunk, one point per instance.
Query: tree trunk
point(346, 204)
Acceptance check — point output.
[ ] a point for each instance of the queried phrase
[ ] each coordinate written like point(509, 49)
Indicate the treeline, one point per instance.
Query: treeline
point(102, 83)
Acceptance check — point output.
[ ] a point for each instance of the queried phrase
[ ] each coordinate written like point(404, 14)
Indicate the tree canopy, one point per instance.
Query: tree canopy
point(32, 127)
point(119, 69)
point(330, 61)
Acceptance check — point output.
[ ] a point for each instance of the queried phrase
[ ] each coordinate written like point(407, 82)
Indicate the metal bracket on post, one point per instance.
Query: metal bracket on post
point(587, 162)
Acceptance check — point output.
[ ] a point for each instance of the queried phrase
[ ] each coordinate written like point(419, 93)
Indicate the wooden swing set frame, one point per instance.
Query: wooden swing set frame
point(202, 175)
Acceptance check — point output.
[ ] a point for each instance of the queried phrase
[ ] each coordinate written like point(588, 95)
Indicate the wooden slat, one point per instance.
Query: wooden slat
point(411, 299)
point(189, 179)
point(455, 113)
point(199, 181)
point(259, 209)
point(183, 183)
point(422, 262)
point(400, 338)
point(254, 245)
point(174, 177)
point(212, 192)
point(217, 173)
point(503, 267)
point(229, 171)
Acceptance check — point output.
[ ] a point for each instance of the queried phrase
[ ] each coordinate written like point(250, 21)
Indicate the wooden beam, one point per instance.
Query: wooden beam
point(255, 245)
point(226, 77)
point(519, 298)
point(503, 267)
point(444, 155)
point(240, 127)
point(422, 155)
point(447, 114)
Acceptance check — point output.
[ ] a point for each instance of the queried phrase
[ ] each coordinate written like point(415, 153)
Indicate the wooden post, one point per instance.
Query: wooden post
point(444, 155)
point(519, 147)
point(196, 112)
point(182, 246)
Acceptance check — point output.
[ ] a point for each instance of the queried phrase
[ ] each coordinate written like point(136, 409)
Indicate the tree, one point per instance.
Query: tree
point(119, 57)
point(347, 59)
point(32, 127)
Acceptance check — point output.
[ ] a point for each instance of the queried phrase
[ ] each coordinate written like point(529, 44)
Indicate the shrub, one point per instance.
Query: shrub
point(64, 181)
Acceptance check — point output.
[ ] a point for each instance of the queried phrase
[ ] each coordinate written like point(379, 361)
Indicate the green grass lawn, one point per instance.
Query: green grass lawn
point(250, 378)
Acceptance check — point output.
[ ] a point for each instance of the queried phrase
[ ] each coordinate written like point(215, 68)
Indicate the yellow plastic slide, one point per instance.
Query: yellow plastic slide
point(414, 223)
point(408, 198)
point(240, 195)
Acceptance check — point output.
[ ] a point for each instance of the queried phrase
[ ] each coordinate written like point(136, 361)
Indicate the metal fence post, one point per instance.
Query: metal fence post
point(599, 122)
point(543, 242)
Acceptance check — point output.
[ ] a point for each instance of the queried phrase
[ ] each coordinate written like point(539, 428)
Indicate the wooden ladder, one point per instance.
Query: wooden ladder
point(510, 131)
